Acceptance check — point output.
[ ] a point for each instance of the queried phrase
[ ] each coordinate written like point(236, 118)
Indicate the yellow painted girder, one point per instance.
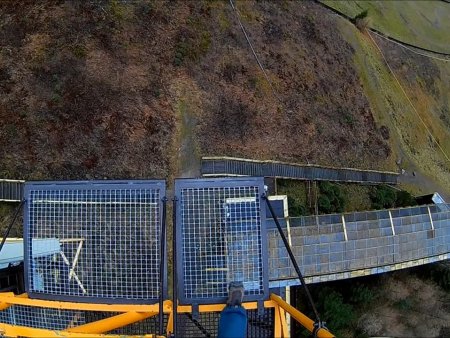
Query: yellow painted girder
point(303, 320)
point(8, 298)
point(22, 331)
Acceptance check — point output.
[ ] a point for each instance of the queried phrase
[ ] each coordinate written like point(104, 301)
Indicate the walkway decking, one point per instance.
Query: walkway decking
point(11, 190)
point(227, 166)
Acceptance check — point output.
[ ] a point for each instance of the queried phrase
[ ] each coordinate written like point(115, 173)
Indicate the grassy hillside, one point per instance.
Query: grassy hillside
point(422, 23)
point(426, 83)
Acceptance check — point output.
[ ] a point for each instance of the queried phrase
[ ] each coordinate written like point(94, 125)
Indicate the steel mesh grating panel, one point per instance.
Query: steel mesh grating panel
point(147, 326)
point(259, 325)
point(42, 318)
point(221, 239)
point(94, 241)
point(62, 319)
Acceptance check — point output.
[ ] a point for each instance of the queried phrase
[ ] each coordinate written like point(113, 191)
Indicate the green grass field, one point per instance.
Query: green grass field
point(422, 23)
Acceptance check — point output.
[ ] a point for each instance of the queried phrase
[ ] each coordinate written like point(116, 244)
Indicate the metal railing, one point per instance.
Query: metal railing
point(11, 190)
point(68, 319)
point(228, 166)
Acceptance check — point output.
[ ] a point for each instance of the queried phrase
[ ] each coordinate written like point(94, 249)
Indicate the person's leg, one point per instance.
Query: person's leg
point(233, 318)
point(233, 322)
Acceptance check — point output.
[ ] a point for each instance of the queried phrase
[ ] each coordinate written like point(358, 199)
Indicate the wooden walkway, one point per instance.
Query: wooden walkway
point(228, 166)
point(11, 190)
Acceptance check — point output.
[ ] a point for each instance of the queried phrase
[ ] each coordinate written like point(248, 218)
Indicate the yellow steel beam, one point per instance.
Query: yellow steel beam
point(169, 328)
point(220, 307)
point(284, 326)
point(111, 323)
point(300, 317)
point(22, 331)
point(277, 323)
point(4, 306)
point(11, 299)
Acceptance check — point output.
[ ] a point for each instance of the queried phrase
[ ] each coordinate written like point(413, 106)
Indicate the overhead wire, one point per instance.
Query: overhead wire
point(319, 324)
point(253, 51)
point(408, 48)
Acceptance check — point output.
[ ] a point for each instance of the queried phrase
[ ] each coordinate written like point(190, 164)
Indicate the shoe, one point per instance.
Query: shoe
point(235, 294)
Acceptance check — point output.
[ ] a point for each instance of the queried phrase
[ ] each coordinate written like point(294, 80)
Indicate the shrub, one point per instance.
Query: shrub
point(404, 199)
point(404, 304)
point(339, 315)
point(117, 10)
point(361, 20)
point(439, 273)
point(296, 209)
point(362, 295)
point(324, 204)
point(331, 198)
point(349, 119)
point(11, 130)
point(383, 197)
point(79, 51)
point(362, 15)
point(192, 42)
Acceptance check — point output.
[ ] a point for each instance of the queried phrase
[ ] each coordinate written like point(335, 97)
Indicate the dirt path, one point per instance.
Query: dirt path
point(186, 103)
point(418, 182)
point(188, 157)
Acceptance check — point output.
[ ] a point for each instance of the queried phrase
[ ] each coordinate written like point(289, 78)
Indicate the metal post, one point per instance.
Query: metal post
point(174, 267)
point(8, 230)
point(162, 266)
point(293, 260)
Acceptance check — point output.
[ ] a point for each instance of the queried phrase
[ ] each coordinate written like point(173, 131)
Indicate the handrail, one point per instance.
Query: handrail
point(112, 323)
point(9, 330)
point(132, 313)
point(302, 319)
point(11, 299)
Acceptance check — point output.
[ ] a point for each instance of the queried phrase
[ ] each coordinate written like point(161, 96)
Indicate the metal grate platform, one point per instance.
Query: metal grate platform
point(221, 236)
point(93, 241)
point(42, 318)
point(260, 325)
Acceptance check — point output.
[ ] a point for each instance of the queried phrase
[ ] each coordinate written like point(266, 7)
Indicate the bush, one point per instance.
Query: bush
point(383, 197)
point(362, 295)
point(404, 304)
point(192, 42)
point(404, 199)
point(331, 198)
point(339, 315)
point(296, 209)
point(362, 15)
point(349, 119)
point(361, 20)
point(437, 272)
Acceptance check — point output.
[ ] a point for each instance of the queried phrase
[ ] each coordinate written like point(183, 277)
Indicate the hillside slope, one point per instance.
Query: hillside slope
point(422, 23)
point(143, 89)
point(100, 89)
point(407, 91)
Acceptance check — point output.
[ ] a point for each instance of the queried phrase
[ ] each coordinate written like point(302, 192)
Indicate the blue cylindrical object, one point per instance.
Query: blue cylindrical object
point(233, 322)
